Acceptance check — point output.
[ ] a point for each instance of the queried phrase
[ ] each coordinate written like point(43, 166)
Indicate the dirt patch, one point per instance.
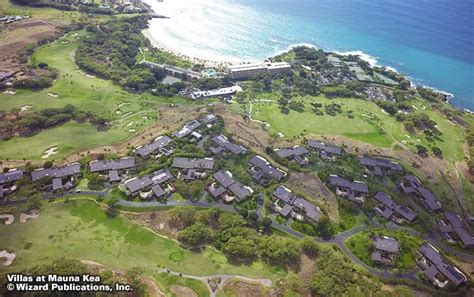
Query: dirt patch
point(244, 289)
point(158, 221)
point(24, 217)
point(306, 273)
point(19, 35)
point(182, 291)
point(9, 257)
point(314, 189)
point(9, 218)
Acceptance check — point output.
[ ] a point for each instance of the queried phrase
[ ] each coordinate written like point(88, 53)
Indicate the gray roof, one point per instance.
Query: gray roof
point(378, 162)
point(321, 146)
point(225, 178)
point(187, 129)
point(291, 152)
point(240, 191)
point(208, 119)
point(440, 266)
point(284, 194)
point(64, 171)
point(385, 199)
point(428, 198)
point(388, 245)
point(11, 176)
point(285, 210)
point(456, 223)
point(161, 176)
point(266, 168)
point(138, 183)
point(216, 192)
point(106, 165)
point(157, 144)
point(225, 143)
point(57, 183)
point(1, 191)
point(158, 191)
point(190, 163)
point(430, 253)
point(358, 187)
point(113, 175)
point(405, 212)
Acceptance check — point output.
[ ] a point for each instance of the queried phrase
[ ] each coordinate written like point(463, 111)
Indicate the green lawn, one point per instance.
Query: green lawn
point(129, 113)
point(361, 245)
point(166, 281)
point(81, 230)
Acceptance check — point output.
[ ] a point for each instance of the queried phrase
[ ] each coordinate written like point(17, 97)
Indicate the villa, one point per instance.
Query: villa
point(189, 129)
point(380, 167)
point(227, 188)
point(193, 169)
point(353, 191)
point(7, 181)
point(263, 172)
point(298, 154)
point(151, 185)
point(158, 145)
point(112, 167)
point(411, 184)
point(59, 175)
point(326, 152)
point(222, 92)
point(389, 209)
point(289, 205)
point(208, 119)
point(246, 71)
point(223, 145)
point(385, 250)
point(453, 229)
point(436, 270)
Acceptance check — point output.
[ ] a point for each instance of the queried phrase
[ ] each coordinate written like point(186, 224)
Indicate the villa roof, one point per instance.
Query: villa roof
point(240, 191)
point(189, 163)
point(284, 194)
point(355, 186)
point(138, 183)
point(158, 191)
point(187, 129)
point(405, 212)
point(57, 183)
point(378, 162)
point(157, 144)
point(11, 175)
point(225, 143)
point(386, 244)
point(113, 175)
point(216, 192)
point(105, 165)
point(68, 170)
point(266, 168)
point(428, 251)
point(208, 119)
point(429, 198)
point(285, 210)
point(291, 152)
point(321, 146)
point(385, 199)
point(225, 178)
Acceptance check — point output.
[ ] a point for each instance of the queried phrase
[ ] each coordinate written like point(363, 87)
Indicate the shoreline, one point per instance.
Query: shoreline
point(217, 61)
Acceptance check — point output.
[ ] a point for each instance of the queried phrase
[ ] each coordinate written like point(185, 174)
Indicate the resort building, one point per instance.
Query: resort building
point(298, 154)
point(149, 186)
point(174, 71)
point(7, 181)
point(62, 177)
point(453, 229)
point(227, 188)
point(192, 169)
point(224, 145)
point(188, 129)
point(380, 167)
point(326, 152)
point(385, 250)
point(222, 92)
point(436, 270)
point(246, 71)
point(389, 209)
point(289, 205)
point(263, 172)
point(412, 185)
point(353, 191)
point(158, 146)
point(113, 168)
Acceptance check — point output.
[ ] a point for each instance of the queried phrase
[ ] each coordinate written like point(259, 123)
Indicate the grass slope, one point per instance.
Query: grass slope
point(81, 230)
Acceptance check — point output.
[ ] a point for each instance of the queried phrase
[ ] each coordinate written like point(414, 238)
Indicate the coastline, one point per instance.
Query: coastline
point(163, 40)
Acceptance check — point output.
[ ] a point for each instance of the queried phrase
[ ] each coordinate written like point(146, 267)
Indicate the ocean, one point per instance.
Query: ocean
point(430, 41)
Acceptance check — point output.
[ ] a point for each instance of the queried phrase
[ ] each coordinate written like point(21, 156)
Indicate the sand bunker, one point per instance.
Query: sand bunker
point(9, 218)
point(9, 257)
point(132, 130)
point(26, 107)
point(50, 152)
point(90, 76)
point(118, 112)
point(9, 92)
point(53, 95)
point(129, 124)
point(24, 217)
point(122, 104)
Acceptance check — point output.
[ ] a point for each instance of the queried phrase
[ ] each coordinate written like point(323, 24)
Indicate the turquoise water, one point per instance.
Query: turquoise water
point(432, 41)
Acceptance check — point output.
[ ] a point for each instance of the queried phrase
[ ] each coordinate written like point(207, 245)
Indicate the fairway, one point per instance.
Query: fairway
point(81, 230)
point(368, 124)
point(128, 113)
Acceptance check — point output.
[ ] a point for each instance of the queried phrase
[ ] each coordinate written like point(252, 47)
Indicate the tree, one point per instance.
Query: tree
point(195, 235)
point(47, 164)
point(35, 201)
point(421, 150)
point(241, 247)
point(266, 222)
point(279, 250)
point(437, 152)
point(253, 216)
point(309, 246)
